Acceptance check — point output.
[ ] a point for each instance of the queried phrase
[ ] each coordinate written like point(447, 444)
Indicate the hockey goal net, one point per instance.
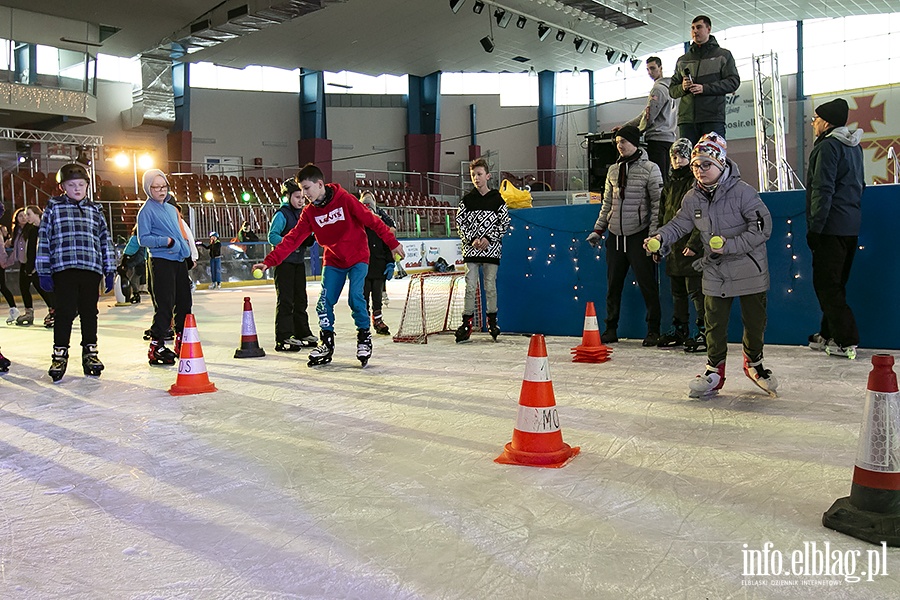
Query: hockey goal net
point(434, 304)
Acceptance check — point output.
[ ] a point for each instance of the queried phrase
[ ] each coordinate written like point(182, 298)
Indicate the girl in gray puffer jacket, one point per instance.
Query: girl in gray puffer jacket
point(734, 225)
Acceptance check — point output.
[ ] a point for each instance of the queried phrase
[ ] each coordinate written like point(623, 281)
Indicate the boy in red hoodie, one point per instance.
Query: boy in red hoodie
point(339, 222)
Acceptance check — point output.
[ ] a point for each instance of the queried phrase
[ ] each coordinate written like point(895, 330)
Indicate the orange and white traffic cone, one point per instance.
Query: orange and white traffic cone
point(591, 349)
point(192, 377)
point(537, 438)
point(249, 342)
point(872, 511)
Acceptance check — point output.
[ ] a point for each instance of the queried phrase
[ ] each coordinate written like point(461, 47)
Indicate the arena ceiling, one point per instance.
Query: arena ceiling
point(421, 36)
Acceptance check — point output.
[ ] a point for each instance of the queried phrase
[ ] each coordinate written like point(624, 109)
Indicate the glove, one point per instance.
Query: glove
point(46, 282)
point(389, 270)
point(594, 239)
point(706, 260)
point(110, 281)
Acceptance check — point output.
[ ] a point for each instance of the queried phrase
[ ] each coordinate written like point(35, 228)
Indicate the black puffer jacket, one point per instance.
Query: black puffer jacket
point(713, 68)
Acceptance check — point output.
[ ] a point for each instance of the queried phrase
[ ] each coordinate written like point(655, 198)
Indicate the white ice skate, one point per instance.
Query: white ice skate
point(761, 376)
point(709, 383)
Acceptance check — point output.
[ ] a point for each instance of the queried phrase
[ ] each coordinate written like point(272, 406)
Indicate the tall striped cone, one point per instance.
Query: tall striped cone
point(591, 349)
point(249, 342)
point(192, 377)
point(872, 511)
point(537, 438)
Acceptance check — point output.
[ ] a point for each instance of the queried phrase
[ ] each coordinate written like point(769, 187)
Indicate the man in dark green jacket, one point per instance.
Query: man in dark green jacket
point(834, 185)
point(704, 75)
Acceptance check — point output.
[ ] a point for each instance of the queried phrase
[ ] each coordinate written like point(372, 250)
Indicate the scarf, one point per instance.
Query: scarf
point(624, 163)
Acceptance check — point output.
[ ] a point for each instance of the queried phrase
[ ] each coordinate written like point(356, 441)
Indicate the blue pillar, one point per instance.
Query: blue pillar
point(423, 125)
point(546, 150)
point(179, 140)
point(592, 105)
point(312, 105)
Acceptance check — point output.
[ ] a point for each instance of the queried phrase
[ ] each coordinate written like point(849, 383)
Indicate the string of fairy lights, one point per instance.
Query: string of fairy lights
point(560, 237)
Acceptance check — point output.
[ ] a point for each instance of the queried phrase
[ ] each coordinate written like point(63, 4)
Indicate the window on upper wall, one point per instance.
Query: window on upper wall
point(470, 84)
point(850, 52)
point(348, 82)
point(115, 68)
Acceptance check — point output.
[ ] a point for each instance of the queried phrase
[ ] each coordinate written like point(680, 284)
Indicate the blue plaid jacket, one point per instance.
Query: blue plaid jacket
point(74, 235)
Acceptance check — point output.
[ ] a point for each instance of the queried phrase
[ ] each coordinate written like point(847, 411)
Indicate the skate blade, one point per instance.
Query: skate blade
point(763, 387)
point(703, 395)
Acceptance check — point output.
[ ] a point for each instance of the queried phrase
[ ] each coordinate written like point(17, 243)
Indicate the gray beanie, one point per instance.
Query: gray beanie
point(149, 176)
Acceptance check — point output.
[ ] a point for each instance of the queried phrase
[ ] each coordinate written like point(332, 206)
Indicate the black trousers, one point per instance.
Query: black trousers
point(832, 259)
point(4, 289)
point(25, 283)
point(291, 302)
point(684, 289)
point(77, 293)
point(374, 287)
point(623, 252)
point(171, 294)
point(694, 131)
point(658, 152)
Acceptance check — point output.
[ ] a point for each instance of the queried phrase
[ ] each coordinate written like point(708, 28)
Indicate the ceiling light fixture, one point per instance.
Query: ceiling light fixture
point(543, 31)
point(635, 63)
point(580, 45)
point(455, 5)
point(520, 22)
point(595, 47)
point(560, 35)
point(503, 17)
point(478, 7)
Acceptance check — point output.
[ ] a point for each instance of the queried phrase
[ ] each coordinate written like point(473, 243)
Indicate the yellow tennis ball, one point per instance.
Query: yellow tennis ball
point(716, 242)
point(396, 257)
point(653, 245)
point(257, 273)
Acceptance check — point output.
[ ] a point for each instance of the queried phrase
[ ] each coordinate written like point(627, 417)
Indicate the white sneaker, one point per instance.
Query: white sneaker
point(13, 315)
point(833, 349)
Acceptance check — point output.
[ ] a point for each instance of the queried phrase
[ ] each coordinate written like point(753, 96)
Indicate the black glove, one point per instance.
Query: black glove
point(706, 260)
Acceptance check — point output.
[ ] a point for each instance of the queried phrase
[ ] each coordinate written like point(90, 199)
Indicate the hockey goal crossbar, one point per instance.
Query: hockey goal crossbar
point(434, 304)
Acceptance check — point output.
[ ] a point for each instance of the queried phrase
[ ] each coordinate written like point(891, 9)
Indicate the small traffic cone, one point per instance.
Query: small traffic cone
point(872, 511)
point(591, 349)
point(192, 376)
point(537, 438)
point(249, 342)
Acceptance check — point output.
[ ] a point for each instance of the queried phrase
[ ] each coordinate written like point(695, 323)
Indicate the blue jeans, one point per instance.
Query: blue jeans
point(332, 285)
point(215, 269)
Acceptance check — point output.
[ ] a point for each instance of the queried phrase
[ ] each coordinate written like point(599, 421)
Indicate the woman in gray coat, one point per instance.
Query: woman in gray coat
point(734, 225)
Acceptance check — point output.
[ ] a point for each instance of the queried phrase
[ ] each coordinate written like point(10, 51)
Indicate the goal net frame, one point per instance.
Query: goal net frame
point(434, 304)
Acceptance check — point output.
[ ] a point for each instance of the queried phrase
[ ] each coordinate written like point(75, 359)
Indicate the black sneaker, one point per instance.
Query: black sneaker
point(609, 337)
point(652, 339)
point(672, 339)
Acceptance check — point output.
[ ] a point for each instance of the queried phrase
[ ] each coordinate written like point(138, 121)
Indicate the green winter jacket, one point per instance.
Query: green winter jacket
point(677, 264)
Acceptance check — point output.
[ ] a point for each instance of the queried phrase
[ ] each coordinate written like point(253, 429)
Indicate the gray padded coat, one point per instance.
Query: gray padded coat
point(639, 209)
point(736, 213)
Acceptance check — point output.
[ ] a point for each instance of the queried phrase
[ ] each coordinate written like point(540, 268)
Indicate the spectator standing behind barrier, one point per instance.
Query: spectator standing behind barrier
point(704, 75)
point(292, 331)
point(25, 238)
point(657, 121)
point(630, 212)
point(215, 260)
point(685, 281)
point(74, 256)
point(380, 262)
point(834, 186)
point(246, 234)
point(482, 220)
point(161, 231)
point(734, 225)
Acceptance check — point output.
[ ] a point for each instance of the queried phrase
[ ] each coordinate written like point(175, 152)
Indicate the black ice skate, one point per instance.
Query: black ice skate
point(672, 339)
point(90, 361)
point(4, 364)
point(158, 354)
point(363, 346)
point(380, 326)
point(26, 318)
point(493, 328)
point(290, 344)
point(50, 319)
point(60, 360)
point(465, 330)
point(322, 353)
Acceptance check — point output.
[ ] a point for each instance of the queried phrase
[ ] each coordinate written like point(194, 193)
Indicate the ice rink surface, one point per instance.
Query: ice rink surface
point(379, 483)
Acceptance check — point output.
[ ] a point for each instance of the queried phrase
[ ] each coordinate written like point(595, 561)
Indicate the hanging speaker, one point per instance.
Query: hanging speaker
point(487, 43)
